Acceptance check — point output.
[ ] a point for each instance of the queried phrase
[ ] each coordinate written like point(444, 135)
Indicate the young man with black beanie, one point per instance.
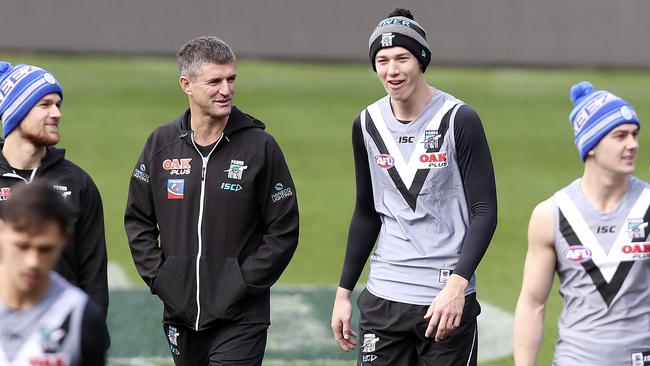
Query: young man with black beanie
point(426, 194)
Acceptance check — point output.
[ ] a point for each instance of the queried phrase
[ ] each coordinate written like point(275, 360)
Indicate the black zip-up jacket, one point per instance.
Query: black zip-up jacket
point(83, 261)
point(211, 235)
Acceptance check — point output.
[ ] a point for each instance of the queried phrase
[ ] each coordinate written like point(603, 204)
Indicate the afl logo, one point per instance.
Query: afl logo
point(385, 161)
point(577, 254)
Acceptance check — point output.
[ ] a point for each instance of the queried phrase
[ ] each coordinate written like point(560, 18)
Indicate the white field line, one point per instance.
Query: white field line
point(494, 324)
point(117, 278)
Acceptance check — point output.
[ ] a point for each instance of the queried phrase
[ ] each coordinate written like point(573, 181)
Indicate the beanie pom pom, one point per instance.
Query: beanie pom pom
point(401, 12)
point(581, 90)
point(4, 67)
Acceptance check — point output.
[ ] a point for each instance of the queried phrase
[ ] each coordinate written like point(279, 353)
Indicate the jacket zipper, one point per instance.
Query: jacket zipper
point(199, 229)
point(14, 175)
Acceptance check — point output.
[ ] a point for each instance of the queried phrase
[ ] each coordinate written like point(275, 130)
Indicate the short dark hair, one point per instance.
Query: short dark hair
point(201, 50)
point(32, 206)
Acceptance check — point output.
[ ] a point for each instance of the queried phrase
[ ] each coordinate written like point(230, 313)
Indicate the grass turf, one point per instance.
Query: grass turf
point(111, 104)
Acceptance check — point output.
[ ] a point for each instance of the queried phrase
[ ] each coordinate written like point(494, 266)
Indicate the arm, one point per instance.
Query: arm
point(141, 224)
point(94, 340)
point(91, 246)
point(279, 210)
point(477, 174)
point(364, 228)
point(528, 329)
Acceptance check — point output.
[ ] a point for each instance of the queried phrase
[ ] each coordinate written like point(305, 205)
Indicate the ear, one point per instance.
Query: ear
point(185, 85)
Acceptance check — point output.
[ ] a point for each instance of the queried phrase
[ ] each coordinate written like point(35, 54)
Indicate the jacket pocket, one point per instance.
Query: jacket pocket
point(175, 286)
point(224, 288)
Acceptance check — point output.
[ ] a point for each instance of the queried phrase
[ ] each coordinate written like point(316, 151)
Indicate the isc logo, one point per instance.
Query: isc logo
point(235, 187)
point(577, 253)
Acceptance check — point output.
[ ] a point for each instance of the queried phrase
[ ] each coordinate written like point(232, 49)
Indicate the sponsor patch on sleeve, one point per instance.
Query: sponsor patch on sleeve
point(281, 192)
point(140, 173)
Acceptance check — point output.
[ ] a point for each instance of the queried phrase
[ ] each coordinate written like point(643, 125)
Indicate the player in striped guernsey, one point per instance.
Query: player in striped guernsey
point(44, 320)
point(594, 234)
point(426, 194)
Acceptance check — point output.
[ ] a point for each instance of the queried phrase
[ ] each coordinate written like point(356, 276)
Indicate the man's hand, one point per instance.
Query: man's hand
point(341, 315)
point(447, 308)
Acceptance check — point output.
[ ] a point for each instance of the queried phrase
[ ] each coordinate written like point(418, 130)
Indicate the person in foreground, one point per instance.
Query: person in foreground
point(594, 234)
point(44, 320)
point(426, 193)
point(214, 187)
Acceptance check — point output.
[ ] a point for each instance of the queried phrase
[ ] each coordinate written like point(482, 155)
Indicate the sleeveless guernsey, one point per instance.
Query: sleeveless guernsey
point(419, 196)
point(49, 332)
point(603, 262)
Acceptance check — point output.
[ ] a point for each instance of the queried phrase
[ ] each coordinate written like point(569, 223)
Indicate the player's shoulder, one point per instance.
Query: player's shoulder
point(167, 131)
point(542, 223)
point(544, 209)
point(62, 287)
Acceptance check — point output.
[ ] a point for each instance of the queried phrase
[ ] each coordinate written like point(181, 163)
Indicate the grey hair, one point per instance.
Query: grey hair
point(201, 50)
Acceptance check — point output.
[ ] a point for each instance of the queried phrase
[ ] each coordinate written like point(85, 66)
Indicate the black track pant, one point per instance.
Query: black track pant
point(226, 344)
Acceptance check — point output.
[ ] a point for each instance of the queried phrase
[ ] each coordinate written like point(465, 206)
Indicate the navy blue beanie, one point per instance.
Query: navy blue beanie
point(21, 87)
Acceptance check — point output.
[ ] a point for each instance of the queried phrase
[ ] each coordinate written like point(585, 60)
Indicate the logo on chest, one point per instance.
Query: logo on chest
point(177, 166)
point(175, 189)
point(64, 191)
point(385, 161)
point(236, 169)
point(636, 228)
point(432, 140)
point(5, 192)
point(577, 254)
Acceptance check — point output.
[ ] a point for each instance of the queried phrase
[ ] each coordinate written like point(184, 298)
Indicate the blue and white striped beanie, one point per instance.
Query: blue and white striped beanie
point(595, 113)
point(21, 87)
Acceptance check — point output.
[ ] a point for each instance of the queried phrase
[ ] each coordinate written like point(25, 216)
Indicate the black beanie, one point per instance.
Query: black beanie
point(400, 31)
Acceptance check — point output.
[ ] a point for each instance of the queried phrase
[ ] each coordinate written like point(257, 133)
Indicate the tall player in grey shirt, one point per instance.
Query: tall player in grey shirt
point(426, 195)
point(594, 234)
point(44, 320)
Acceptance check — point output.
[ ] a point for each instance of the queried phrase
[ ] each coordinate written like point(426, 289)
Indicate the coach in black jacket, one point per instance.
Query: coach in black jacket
point(215, 189)
point(30, 101)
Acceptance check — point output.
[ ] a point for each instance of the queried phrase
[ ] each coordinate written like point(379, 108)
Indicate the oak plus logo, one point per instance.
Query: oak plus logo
point(5, 192)
point(434, 160)
point(177, 166)
point(637, 250)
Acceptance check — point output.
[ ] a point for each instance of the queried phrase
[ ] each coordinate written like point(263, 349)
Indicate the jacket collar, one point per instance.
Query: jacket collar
point(52, 156)
point(237, 121)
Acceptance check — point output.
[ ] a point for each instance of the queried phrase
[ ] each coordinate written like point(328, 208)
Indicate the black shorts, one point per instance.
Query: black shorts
point(392, 333)
point(227, 344)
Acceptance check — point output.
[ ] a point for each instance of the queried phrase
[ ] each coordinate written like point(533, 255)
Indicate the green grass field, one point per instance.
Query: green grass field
point(112, 104)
